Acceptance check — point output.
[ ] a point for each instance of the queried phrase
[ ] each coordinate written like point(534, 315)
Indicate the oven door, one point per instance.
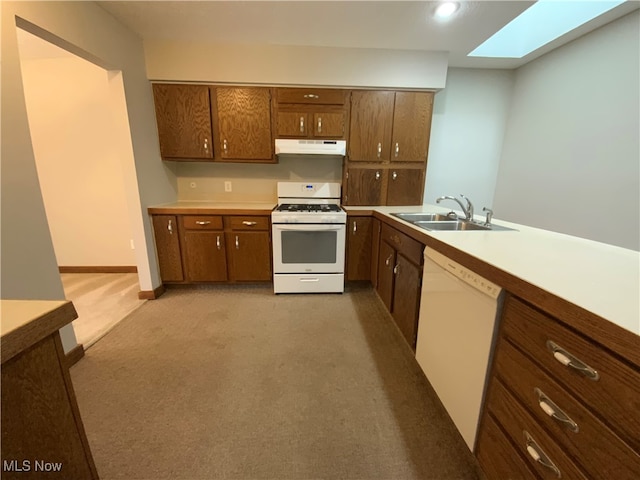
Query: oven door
point(308, 248)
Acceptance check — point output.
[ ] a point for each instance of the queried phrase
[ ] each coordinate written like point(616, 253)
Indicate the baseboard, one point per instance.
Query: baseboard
point(151, 294)
point(74, 355)
point(99, 269)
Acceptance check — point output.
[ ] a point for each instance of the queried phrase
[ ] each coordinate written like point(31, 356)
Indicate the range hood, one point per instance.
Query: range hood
point(310, 147)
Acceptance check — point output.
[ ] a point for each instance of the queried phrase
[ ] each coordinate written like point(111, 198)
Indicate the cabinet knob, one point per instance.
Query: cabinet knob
point(397, 149)
point(378, 175)
point(301, 124)
point(170, 227)
point(319, 124)
point(394, 175)
point(379, 149)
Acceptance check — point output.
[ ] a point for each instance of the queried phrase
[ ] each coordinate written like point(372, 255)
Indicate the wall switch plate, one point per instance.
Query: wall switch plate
point(227, 186)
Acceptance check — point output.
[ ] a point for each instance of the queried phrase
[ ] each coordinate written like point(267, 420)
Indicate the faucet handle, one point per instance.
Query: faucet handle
point(489, 215)
point(469, 212)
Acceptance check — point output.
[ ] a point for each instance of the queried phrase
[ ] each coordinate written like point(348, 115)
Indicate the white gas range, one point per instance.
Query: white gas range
point(309, 233)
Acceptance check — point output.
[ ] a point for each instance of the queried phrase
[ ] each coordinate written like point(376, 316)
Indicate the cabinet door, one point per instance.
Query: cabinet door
point(365, 186)
point(405, 187)
point(371, 120)
point(244, 123)
point(375, 251)
point(249, 256)
point(183, 114)
point(292, 124)
point(328, 124)
point(204, 256)
point(359, 248)
point(386, 262)
point(165, 228)
point(411, 126)
point(406, 298)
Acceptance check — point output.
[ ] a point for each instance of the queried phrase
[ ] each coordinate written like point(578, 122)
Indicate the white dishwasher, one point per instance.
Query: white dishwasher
point(456, 330)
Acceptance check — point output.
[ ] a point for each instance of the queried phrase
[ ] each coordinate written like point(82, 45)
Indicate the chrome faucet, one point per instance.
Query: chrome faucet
point(468, 209)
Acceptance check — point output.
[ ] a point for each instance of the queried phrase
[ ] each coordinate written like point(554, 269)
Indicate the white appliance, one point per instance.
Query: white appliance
point(456, 331)
point(308, 235)
point(311, 147)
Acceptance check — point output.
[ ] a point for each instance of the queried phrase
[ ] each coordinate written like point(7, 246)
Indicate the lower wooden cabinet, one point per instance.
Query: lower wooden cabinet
point(249, 256)
point(213, 248)
point(359, 238)
point(399, 279)
point(167, 238)
point(558, 405)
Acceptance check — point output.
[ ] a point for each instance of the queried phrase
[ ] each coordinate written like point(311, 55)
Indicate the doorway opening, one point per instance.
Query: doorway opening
point(75, 125)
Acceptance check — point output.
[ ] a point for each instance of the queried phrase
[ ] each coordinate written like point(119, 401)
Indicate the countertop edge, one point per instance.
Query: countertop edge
point(35, 329)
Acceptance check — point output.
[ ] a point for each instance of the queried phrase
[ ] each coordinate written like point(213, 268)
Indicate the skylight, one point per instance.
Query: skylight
point(541, 23)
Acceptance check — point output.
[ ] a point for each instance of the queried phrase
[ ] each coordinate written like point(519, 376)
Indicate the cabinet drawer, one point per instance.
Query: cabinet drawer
point(410, 248)
point(317, 96)
point(247, 223)
point(202, 222)
point(599, 451)
point(497, 456)
point(615, 395)
point(525, 433)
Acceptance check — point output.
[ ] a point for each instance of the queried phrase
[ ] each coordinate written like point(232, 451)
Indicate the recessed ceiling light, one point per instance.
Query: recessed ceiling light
point(446, 9)
point(540, 24)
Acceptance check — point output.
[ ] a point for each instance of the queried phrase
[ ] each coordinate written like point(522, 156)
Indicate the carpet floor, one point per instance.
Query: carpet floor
point(234, 382)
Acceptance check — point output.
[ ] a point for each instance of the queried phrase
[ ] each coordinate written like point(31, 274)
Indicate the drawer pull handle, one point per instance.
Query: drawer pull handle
point(386, 262)
point(377, 175)
point(200, 222)
point(319, 124)
point(569, 360)
point(310, 95)
point(237, 243)
point(301, 124)
point(379, 149)
point(538, 455)
point(396, 269)
point(551, 409)
point(355, 227)
point(170, 227)
point(218, 242)
point(249, 224)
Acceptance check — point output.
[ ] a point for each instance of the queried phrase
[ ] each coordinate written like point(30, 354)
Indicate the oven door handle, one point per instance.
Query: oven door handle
point(310, 227)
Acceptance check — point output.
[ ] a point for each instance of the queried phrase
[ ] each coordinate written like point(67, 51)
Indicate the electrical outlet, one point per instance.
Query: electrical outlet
point(227, 186)
point(193, 185)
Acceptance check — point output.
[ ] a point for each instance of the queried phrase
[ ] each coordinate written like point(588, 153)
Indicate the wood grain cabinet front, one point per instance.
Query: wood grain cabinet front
point(359, 243)
point(311, 113)
point(203, 248)
point(183, 115)
point(569, 407)
point(168, 247)
point(399, 279)
point(243, 119)
point(249, 248)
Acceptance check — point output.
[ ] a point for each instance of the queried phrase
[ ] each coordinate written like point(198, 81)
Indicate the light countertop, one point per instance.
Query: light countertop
point(25, 322)
point(220, 208)
point(601, 278)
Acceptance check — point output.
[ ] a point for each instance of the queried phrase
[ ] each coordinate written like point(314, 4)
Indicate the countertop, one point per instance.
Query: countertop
point(26, 322)
point(215, 208)
point(603, 279)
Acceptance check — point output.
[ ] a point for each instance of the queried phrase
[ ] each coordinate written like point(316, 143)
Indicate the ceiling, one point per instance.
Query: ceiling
point(357, 24)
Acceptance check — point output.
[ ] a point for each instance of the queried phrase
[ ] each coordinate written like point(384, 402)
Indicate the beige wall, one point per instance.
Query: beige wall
point(78, 168)
point(295, 65)
point(252, 183)
point(29, 269)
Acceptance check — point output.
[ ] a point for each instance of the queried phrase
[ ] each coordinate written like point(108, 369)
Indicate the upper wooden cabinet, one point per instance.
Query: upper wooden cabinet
point(183, 114)
point(243, 117)
point(405, 186)
point(311, 113)
point(390, 126)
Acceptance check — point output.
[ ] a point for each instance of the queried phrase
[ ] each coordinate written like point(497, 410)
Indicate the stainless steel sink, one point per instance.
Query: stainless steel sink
point(426, 217)
point(451, 226)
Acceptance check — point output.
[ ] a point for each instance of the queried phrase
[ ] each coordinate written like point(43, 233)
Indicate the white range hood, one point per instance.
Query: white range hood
point(310, 147)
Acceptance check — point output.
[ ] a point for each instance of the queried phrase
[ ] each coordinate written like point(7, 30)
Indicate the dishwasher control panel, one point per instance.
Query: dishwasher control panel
point(468, 276)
